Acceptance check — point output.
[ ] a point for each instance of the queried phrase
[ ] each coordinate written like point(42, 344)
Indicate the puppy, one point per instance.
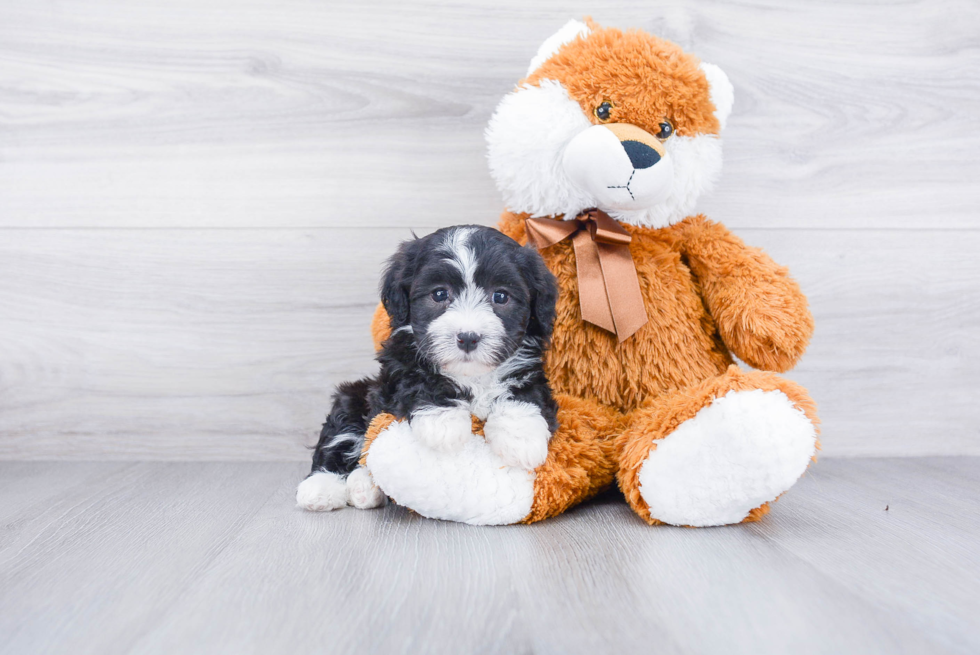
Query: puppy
point(471, 312)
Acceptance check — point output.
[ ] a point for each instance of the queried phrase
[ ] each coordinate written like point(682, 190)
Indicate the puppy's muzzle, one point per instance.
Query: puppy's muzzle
point(621, 165)
point(467, 341)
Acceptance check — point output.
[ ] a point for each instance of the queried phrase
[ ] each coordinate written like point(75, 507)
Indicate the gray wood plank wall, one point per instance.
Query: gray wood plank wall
point(196, 196)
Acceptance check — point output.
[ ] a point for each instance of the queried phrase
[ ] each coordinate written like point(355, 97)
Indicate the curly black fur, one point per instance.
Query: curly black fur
point(409, 379)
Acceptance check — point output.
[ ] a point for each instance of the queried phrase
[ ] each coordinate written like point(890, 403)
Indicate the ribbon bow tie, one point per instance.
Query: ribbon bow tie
point(608, 289)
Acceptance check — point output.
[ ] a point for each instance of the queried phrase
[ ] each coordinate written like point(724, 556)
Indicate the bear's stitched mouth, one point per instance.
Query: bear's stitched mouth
point(626, 186)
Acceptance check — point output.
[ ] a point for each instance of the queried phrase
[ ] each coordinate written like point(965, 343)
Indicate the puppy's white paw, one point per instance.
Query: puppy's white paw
point(445, 429)
point(519, 435)
point(321, 491)
point(362, 493)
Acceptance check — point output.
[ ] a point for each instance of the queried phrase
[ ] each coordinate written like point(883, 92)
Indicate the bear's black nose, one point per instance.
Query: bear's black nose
point(641, 155)
point(467, 341)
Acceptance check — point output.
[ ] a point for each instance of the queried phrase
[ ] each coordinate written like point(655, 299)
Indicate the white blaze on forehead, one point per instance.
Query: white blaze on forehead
point(460, 254)
point(469, 311)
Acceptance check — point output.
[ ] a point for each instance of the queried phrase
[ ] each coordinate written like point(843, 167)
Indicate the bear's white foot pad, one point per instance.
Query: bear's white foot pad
point(742, 450)
point(471, 485)
point(322, 491)
point(362, 493)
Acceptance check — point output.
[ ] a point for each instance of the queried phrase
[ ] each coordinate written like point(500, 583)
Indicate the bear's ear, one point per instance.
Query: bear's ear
point(722, 93)
point(571, 31)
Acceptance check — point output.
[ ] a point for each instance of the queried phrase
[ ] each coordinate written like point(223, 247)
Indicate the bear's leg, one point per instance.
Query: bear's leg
point(470, 484)
point(718, 452)
point(473, 485)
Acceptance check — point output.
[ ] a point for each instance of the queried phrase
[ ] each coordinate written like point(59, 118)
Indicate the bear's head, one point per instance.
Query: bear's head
point(620, 121)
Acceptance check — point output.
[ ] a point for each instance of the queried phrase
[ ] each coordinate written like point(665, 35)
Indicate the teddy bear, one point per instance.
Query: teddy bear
point(601, 153)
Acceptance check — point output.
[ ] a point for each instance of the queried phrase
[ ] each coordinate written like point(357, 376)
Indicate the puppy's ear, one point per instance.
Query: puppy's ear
point(397, 282)
point(544, 294)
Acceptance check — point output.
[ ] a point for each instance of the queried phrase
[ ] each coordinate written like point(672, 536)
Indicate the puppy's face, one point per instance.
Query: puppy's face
point(471, 297)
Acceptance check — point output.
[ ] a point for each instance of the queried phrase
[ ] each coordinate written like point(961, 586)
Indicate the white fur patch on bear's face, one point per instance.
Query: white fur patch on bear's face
point(527, 137)
point(697, 165)
point(596, 161)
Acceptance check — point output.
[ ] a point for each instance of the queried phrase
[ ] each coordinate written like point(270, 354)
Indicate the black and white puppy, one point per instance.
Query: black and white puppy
point(471, 312)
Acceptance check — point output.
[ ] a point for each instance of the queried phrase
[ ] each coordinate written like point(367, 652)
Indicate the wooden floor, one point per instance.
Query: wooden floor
point(864, 556)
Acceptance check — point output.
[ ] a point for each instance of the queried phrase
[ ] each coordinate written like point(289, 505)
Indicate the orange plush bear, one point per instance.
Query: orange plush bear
point(601, 153)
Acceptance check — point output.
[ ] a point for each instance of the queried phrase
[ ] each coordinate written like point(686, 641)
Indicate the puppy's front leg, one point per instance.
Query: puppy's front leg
point(445, 429)
point(362, 493)
point(518, 432)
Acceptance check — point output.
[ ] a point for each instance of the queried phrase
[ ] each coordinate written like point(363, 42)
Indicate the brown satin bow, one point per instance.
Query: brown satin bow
point(608, 289)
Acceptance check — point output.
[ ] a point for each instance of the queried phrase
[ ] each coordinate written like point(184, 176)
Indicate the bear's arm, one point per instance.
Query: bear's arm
point(380, 327)
point(761, 313)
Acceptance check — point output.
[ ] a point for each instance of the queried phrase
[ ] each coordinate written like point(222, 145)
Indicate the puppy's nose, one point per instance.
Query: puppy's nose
point(467, 341)
point(641, 155)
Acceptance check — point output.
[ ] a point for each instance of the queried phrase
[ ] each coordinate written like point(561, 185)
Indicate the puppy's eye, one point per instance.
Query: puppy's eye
point(440, 295)
point(666, 130)
point(602, 112)
point(500, 297)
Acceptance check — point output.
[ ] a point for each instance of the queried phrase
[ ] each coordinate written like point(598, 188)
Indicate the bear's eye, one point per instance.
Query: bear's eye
point(666, 130)
point(602, 111)
point(440, 295)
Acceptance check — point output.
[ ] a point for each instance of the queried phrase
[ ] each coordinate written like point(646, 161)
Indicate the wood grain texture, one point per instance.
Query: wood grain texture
point(181, 344)
point(196, 196)
point(214, 558)
point(259, 114)
point(912, 549)
point(225, 344)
